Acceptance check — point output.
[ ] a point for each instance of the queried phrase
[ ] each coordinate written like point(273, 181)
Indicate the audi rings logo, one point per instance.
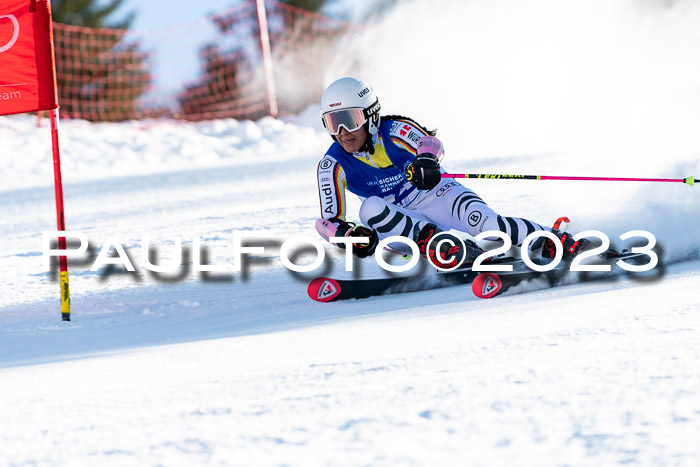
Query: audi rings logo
point(474, 218)
point(15, 33)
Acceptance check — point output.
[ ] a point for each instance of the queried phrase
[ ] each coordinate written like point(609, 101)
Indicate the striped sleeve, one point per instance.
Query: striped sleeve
point(406, 134)
point(331, 188)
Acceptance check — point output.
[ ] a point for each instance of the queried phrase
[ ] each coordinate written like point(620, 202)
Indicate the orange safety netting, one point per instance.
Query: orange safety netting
point(209, 68)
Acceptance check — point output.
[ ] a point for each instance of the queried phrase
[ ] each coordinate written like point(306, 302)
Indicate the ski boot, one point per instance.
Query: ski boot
point(451, 255)
point(571, 247)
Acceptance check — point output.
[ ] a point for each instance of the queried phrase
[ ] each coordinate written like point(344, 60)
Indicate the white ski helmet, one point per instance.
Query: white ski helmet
point(349, 103)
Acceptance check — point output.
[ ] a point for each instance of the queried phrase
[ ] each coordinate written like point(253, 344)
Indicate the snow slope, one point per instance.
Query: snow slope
point(244, 369)
point(182, 370)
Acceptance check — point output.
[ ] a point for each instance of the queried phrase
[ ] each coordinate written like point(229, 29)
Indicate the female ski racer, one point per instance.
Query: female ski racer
point(393, 164)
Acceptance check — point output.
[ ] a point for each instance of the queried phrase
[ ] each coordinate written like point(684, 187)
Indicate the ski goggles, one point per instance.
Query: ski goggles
point(350, 119)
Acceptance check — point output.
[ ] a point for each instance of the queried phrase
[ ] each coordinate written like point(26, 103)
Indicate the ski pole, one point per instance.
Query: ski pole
point(689, 180)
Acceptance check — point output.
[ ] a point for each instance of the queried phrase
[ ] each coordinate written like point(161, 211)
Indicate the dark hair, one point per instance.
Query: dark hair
point(401, 117)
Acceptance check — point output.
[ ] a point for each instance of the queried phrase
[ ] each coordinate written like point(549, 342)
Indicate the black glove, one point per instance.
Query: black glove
point(361, 250)
point(424, 172)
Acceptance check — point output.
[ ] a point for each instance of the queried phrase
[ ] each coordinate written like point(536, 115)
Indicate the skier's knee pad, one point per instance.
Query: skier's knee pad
point(371, 207)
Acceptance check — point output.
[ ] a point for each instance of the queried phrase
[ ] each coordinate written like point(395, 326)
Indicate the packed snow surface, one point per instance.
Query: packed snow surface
point(242, 368)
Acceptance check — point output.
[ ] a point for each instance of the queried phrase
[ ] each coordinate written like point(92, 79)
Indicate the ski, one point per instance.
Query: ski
point(326, 289)
point(484, 284)
point(489, 285)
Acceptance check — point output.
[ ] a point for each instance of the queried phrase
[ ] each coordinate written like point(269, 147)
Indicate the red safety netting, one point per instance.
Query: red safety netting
point(209, 68)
